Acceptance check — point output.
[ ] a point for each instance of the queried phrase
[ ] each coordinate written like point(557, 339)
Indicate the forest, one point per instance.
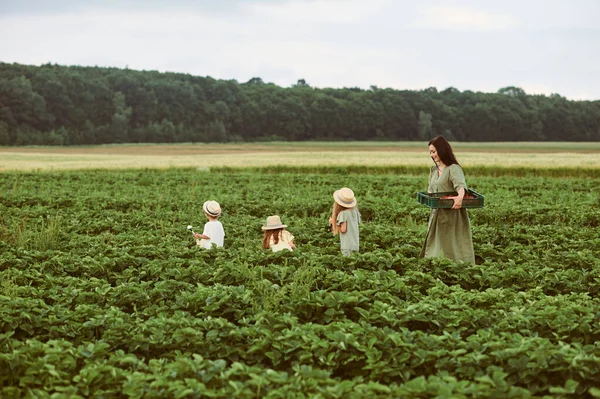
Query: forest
point(75, 105)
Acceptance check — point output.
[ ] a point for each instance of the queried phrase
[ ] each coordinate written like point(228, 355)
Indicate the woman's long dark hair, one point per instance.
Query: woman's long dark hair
point(444, 150)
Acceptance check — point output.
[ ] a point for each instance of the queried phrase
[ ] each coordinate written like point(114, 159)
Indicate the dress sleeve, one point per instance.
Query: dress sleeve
point(342, 217)
point(290, 237)
point(457, 177)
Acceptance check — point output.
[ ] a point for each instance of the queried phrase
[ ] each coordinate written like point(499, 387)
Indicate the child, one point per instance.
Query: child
point(345, 219)
point(276, 237)
point(213, 229)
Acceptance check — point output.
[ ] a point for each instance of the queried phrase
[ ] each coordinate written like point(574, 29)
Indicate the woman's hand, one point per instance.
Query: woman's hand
point(458, 199)
point(457, 202)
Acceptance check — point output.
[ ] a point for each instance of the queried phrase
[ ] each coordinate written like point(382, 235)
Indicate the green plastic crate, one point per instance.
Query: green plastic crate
point(434, 200)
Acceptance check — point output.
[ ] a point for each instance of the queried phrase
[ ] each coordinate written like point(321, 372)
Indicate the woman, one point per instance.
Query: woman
point(449, 231)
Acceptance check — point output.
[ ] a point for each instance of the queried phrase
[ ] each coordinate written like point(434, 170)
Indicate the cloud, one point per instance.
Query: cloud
point(321, 11)
point(536, 88)
point(583, 95)
point(330, 43)
point(463, 18)
point(558, 14)
point(44, 7)
point(545, 89)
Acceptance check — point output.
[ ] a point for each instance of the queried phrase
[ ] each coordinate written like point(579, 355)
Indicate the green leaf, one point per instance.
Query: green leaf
point(595, 392)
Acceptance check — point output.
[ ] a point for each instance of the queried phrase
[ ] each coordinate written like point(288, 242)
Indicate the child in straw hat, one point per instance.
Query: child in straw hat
point(213, 229)
point(276, 236)
point(345, 219)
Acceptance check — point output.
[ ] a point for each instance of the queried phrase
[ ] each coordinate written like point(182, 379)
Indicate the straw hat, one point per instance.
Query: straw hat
point(345, 197)
point(273, 222)
point(212, 208)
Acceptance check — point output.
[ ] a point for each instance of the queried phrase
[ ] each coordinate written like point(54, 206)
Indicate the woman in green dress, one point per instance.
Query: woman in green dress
point(449, 231)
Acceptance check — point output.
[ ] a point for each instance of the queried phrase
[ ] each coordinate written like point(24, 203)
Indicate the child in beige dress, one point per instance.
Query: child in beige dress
point(276, 236)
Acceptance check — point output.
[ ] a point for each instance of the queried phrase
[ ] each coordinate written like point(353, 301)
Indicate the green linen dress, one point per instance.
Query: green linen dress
point(349, 241)
point(449, 230)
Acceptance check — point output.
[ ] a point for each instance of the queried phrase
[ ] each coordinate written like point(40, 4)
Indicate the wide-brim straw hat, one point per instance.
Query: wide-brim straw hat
point(212, 208)
point(273, 223)
point(345, 197)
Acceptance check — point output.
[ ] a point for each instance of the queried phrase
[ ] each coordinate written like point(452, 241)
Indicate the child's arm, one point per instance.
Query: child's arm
point(203, 234)
point(343, 227)
point(292, 244)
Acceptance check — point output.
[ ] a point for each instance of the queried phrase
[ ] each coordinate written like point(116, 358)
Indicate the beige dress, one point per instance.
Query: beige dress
point(285, 238)
point(449, 230)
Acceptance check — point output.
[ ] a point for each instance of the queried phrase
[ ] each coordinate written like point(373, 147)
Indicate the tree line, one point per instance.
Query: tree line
point(74, 105)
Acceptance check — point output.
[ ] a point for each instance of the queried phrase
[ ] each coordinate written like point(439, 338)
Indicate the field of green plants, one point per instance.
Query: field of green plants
point(103, 292)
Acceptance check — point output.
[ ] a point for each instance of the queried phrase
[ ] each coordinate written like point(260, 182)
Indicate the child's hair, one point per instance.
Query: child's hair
point(337, 208)
point(275, 233)
point(208, 215)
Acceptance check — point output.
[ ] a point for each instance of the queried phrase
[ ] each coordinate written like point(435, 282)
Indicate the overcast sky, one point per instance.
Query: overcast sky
point(542, 46)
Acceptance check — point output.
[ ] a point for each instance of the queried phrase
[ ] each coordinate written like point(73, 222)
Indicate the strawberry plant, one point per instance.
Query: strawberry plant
point(104, 293)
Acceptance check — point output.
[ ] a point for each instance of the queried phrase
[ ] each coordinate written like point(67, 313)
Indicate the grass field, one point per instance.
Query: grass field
point(526, 154)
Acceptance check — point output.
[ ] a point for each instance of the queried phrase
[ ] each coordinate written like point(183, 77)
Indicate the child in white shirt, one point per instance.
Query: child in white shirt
point(213, 229)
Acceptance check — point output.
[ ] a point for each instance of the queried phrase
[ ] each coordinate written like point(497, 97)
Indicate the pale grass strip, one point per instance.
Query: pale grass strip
point(28, 161)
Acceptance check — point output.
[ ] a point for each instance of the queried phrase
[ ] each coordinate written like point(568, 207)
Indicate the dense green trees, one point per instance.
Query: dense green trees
point(58, 105)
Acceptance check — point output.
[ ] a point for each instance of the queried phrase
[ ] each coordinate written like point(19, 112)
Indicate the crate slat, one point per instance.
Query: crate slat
point(434, 200)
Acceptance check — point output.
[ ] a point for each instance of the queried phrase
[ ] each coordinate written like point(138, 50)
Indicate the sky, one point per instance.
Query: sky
point(542, 46)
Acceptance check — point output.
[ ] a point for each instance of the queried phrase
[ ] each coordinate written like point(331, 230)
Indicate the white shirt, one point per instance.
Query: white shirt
point(216, 233)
